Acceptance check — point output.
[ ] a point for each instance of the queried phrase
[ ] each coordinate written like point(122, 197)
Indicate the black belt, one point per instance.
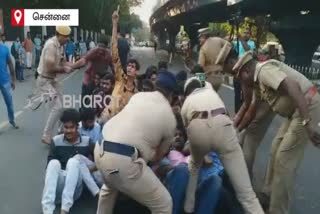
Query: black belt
point(119, 148)
point(207, 114)
point(45, 77)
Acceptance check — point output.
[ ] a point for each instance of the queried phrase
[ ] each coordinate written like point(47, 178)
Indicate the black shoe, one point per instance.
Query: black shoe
point(14, 125)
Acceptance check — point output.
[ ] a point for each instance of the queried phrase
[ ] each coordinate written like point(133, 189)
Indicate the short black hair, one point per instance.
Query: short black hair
point(109, 76)
point(197, 69)
point(162, 65)
point(150, 71)
point(182, 75)
point(87, 114)
point(147, 83)
point(103, 39)
point(134, 61)
point(194, 84)
point(70, 115)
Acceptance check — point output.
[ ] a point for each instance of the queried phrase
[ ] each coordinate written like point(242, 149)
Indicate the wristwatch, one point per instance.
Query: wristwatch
point(305, 121)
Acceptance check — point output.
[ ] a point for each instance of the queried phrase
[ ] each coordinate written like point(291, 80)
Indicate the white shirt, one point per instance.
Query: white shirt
point(147, 122)
point(202, 99)
point(92, 45)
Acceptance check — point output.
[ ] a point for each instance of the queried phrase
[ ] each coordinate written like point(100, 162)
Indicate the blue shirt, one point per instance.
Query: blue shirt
point(241, 49)
point(215, 169)
point(37, 42)
point(4, 57)
point(70, 48)
point(94, 134)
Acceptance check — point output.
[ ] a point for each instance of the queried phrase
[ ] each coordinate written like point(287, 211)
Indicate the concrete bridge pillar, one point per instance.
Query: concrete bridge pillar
point(172, 33)
point(162, 36)
point(192, 32)
point(299, 36)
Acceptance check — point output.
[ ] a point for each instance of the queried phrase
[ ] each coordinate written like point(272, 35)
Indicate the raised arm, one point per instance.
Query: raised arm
point(118, 70)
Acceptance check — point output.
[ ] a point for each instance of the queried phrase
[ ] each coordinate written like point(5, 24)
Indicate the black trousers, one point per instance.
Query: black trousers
point(237, 95)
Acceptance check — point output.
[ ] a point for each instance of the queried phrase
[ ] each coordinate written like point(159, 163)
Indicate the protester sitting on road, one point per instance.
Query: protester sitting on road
point(162, 65)
point(176, 155)
point(88, 126)
point(147, 85)
point(104, 91)
point(214, 193)
point(125, 82)
point(151, 73)
point(63, 180)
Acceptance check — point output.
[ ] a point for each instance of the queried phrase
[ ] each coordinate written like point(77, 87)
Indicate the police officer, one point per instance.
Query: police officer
point(210, 47)
point(143, 131)
point(293, 96)
point(210, 129)
point(253, 118)
point(52, 63)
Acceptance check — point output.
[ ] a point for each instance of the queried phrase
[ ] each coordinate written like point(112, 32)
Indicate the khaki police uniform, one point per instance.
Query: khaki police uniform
point(48, 85)
point(210, 129)
point(253, 135)
point(289, 144)
point(207, 58)
point(147, 124)
point(251, 138)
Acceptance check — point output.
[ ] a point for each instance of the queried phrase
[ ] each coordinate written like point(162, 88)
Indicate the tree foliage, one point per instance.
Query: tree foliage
point(258, 26)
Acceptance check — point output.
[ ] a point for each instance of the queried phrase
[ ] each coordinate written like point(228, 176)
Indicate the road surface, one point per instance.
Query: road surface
point(23, 157)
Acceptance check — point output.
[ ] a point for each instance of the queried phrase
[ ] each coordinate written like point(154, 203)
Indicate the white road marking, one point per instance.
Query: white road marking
point(6, 123)
point(19, 113)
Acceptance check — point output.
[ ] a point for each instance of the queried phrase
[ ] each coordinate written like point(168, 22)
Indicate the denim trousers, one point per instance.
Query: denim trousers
point(19, 71)
point(61, 186)
point(207, 195)
point(7, 96)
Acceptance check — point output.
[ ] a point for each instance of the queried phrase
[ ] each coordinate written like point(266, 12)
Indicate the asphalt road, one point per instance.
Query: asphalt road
point(23, 157)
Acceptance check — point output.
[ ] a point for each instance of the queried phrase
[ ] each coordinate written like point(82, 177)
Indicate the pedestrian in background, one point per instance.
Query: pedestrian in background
point(7, 82)
point(28, 45)
point(243, 44)
point(17, 53)
point(38, 46)
point(70, 50)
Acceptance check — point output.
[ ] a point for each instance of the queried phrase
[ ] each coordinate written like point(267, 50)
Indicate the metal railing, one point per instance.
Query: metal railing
point(311, 73)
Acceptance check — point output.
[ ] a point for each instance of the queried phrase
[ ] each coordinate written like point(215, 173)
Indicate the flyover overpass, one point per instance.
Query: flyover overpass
point(296, 23)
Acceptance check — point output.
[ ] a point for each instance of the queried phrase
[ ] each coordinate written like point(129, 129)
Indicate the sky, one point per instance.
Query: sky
point(145, 10)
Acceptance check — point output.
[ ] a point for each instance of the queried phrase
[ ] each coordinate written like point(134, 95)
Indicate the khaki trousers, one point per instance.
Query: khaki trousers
point(218, 134)
point(216, 79)
point(134, 178)
point(251, 138)
point(286, 154)
point(50, 91)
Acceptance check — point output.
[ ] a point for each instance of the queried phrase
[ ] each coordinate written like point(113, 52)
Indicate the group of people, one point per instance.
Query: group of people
point(167, 141)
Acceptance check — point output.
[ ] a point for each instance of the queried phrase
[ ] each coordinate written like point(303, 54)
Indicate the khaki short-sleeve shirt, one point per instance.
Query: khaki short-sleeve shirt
point(268, 77)
point(52, 50)
point(208, 54)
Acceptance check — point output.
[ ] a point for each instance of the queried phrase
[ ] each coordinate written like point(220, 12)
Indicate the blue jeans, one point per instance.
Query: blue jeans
point(7, 96)
point(207, 195)
point(19, 71)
